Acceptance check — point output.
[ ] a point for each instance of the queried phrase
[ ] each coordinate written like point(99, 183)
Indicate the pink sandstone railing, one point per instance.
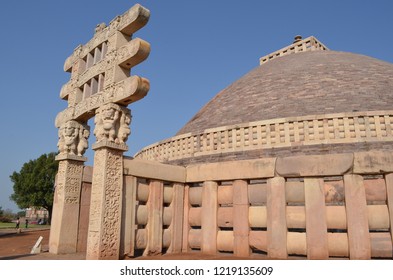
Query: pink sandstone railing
point(288, 132)
point(308, 44)
point(316, 207)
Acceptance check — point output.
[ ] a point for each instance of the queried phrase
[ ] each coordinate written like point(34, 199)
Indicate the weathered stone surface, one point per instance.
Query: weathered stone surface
point(241, 227)
point(338, 244)
point(103, 240)
point(225, 217)
point(316, 228)
point(294, 191)
point(155, 218)
point(258, 240)
point(276, 219)
point(195, 238)
point(381, 245)
point(88, 174)
point(225, 195)
point(209, 218)
point(154, 170)
point(357, 217)
point(318, 165)
point(225, 241)
point(296, 217)
point(373, 162)
point(194, 216)
point(336, 217)
point(66, 203)
point(375, 190)
point(257, 194)
point(297, 243)
point(73, 138)
point(378, 217)
point(257, 216)
point(389, 190)
point(247, 169)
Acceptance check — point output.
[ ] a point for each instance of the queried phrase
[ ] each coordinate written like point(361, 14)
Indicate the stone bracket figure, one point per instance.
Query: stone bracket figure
point(73, 138)
point(112, 124)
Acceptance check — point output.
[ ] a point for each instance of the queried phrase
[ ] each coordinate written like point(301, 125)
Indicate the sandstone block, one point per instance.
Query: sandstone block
point(373, 162)
point(221, 171)
point(315, 165)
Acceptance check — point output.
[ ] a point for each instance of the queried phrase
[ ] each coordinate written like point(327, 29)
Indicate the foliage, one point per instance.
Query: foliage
point(33, 184)
point(6, 216)
point(21, 213)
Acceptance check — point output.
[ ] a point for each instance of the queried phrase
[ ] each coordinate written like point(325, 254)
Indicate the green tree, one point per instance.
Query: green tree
point(1, 211)
point(33, 184)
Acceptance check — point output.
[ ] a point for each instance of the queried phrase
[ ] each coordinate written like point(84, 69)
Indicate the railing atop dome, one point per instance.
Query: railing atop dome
point(299, 45)
point(341, 128)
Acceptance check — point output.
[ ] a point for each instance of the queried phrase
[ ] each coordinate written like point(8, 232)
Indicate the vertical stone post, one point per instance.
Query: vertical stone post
point(186, 225)
point(316, 226)
point(389, 189)
point(128, 226)
point(276, 219)
point(65, 217)
point(241, 227)
point(209, 217)
point(177, 219)
point(155, 218)
point(357, 218)
point(111, 130)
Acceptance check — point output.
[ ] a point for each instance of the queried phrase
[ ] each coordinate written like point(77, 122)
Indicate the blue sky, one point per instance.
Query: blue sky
point(197, 49)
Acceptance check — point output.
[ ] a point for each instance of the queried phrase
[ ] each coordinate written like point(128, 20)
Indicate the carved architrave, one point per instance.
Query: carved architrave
point(106, 59)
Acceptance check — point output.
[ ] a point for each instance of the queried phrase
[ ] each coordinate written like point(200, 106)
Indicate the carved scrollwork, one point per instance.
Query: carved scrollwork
point(73, 138)
point(112, 123)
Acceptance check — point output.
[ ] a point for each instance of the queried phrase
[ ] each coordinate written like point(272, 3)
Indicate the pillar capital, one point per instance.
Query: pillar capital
point(112, 126)
point(73, 140)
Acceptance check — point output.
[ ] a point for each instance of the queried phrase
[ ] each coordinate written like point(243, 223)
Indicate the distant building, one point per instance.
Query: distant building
point(35, 213)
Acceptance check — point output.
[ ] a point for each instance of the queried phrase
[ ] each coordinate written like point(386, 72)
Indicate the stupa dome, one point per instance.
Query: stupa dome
point(307, 83)
point(302, 99)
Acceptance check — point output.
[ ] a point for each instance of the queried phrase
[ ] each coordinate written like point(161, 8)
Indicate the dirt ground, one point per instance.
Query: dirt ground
point(17, 246)
point(14, 246)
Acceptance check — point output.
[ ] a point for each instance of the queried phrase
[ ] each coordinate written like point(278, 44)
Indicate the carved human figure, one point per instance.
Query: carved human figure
point(71, 134)
point(112, 123)
point(124, 129)
point(83, 143)
point(73, 138)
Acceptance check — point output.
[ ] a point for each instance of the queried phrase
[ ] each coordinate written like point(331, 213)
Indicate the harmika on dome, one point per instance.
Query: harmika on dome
point(292, 160)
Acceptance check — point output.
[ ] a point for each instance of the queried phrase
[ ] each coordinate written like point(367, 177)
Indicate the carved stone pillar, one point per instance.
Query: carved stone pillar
point(65, 217)
point(112, 129)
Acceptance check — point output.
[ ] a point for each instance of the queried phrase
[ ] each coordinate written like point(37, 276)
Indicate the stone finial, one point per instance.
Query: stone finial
point(112, 123)
point(298, 38)
point(73, 138)
point(100, 27)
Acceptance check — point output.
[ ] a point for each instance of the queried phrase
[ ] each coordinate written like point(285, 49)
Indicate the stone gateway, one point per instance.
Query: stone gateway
point(297, 163)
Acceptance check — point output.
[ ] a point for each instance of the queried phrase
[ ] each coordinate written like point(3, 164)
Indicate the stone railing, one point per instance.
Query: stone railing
point(308, 44)
point(340, 128)
point(316, 207)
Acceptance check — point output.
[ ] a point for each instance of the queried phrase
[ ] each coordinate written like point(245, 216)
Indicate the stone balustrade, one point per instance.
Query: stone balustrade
point(302, 45)
point(344, 128)
point(270, 207)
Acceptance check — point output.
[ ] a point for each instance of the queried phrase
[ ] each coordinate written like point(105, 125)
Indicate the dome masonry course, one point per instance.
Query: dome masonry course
point(303, 86)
